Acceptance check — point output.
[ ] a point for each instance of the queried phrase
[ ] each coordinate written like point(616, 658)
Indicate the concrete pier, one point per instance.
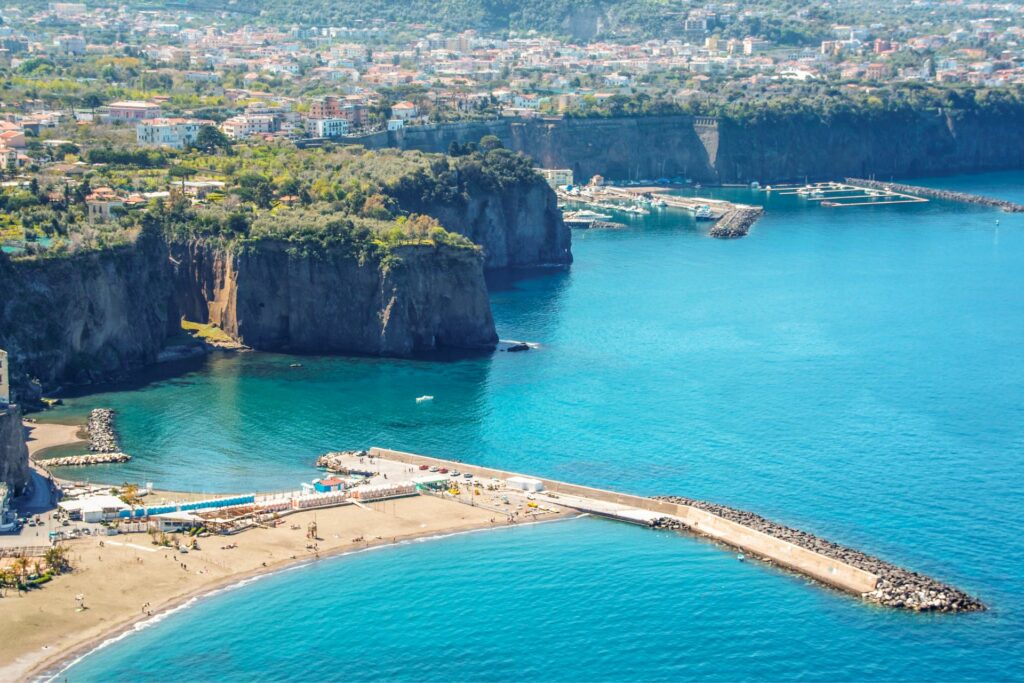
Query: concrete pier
point(831, 568)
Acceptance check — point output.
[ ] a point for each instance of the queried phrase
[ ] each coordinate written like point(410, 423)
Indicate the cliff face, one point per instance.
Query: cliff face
point(13, 451)
point(920, 144)
point(709, 151)
point(523, 228)
point(85, 316)
point(275, 297)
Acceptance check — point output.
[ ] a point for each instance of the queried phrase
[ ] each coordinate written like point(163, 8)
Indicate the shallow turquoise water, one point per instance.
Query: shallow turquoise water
point(857, 372)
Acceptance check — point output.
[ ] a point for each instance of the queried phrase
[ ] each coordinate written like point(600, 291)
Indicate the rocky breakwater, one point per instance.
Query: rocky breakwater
point(277, 296)
point(736, 222)
point(90, 459)
point(897, 587)
point(933, 193)
point(102, 438)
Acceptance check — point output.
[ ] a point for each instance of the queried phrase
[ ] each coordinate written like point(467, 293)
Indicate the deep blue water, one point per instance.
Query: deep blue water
point(857, 372)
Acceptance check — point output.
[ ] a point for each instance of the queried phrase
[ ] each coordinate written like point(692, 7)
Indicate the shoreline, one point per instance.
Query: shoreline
point(52, 665)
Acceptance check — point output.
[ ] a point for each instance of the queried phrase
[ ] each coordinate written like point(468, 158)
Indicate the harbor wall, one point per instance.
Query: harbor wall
point(825, 569)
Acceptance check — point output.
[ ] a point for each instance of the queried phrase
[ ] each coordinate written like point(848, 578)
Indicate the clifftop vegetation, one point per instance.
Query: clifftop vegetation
point(751, 104)
point(364, 202)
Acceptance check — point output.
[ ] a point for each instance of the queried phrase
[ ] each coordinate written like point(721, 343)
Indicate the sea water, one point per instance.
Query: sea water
point(857, 372)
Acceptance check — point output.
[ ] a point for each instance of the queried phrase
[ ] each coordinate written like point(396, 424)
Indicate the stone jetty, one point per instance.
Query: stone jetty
point(90, 459)
point(100, 426)
point(948, 195)
point(334, 461)
point(736, 222)
point(896, 587)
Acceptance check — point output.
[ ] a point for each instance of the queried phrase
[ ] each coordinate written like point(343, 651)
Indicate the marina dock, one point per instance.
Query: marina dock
point(729, 218)
point(851, 193)
point(947, 195)
point(846, 569)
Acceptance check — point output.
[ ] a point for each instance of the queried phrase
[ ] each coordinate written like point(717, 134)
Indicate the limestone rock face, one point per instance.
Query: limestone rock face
point(87, 316)
point(776, 150)
point(13, 451)
point(273, 297)
point(522, 229)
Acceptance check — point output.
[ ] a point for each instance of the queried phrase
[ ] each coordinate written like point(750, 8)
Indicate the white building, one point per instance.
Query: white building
point(404, 111)
point(556, 177)
point(165, 132)
point(5, 380)
point(246, 125)
point(70, 45)
point(96, 508)
point(525, 484)
point(132, 110)
point(329, 128)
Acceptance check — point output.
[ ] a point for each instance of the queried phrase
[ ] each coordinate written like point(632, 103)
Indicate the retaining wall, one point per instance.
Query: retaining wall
point(825, 569)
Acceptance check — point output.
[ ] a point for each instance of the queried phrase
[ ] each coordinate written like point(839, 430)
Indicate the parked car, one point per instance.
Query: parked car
point(433, 468)
point(468, 475)
point(423, 467)
point(443, 470)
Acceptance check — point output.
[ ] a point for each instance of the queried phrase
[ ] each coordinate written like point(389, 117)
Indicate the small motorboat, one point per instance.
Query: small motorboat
point(424, 399)
point(741, 557)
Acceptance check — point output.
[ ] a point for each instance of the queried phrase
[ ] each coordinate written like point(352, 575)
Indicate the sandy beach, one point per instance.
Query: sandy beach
point(43, 435)
point(42, 627)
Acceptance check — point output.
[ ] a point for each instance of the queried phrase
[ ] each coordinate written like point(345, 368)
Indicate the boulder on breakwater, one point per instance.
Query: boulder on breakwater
point(334, 461)
point(896, 587)
point(100, 426)
point(90, 459)
point(948, 195)
point(736, 222)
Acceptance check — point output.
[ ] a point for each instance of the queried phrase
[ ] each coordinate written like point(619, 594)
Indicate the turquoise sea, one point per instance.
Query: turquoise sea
point(856, 372)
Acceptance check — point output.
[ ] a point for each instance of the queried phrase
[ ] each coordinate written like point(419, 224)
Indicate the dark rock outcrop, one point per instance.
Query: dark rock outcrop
point(897, 587)
point(14, 470)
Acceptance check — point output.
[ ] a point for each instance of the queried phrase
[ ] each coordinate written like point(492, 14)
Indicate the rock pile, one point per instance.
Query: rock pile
point(897, 587)
point(948, 195)
point(102, 438)
point(333, 461)
point(91, 459)
point(736, 223)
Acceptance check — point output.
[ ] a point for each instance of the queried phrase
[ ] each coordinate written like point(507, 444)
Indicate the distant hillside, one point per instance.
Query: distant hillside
point(577, 19)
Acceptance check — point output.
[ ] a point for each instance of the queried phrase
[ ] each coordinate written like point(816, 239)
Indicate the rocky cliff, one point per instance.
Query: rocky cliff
point(13, 451)
point(274, 296)
point(85, 316)
point(774, 150)
point(522, 228)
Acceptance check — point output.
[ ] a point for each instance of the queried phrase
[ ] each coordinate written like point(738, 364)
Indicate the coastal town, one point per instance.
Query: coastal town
point(158, 78)
point(285, 282)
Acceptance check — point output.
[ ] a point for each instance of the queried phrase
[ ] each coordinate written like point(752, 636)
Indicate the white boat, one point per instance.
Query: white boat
point(424, 399)
point(659, 203)
point(587, 215)
point(703, 213)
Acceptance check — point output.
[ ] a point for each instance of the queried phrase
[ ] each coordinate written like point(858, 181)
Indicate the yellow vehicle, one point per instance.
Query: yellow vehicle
point(531, 504)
